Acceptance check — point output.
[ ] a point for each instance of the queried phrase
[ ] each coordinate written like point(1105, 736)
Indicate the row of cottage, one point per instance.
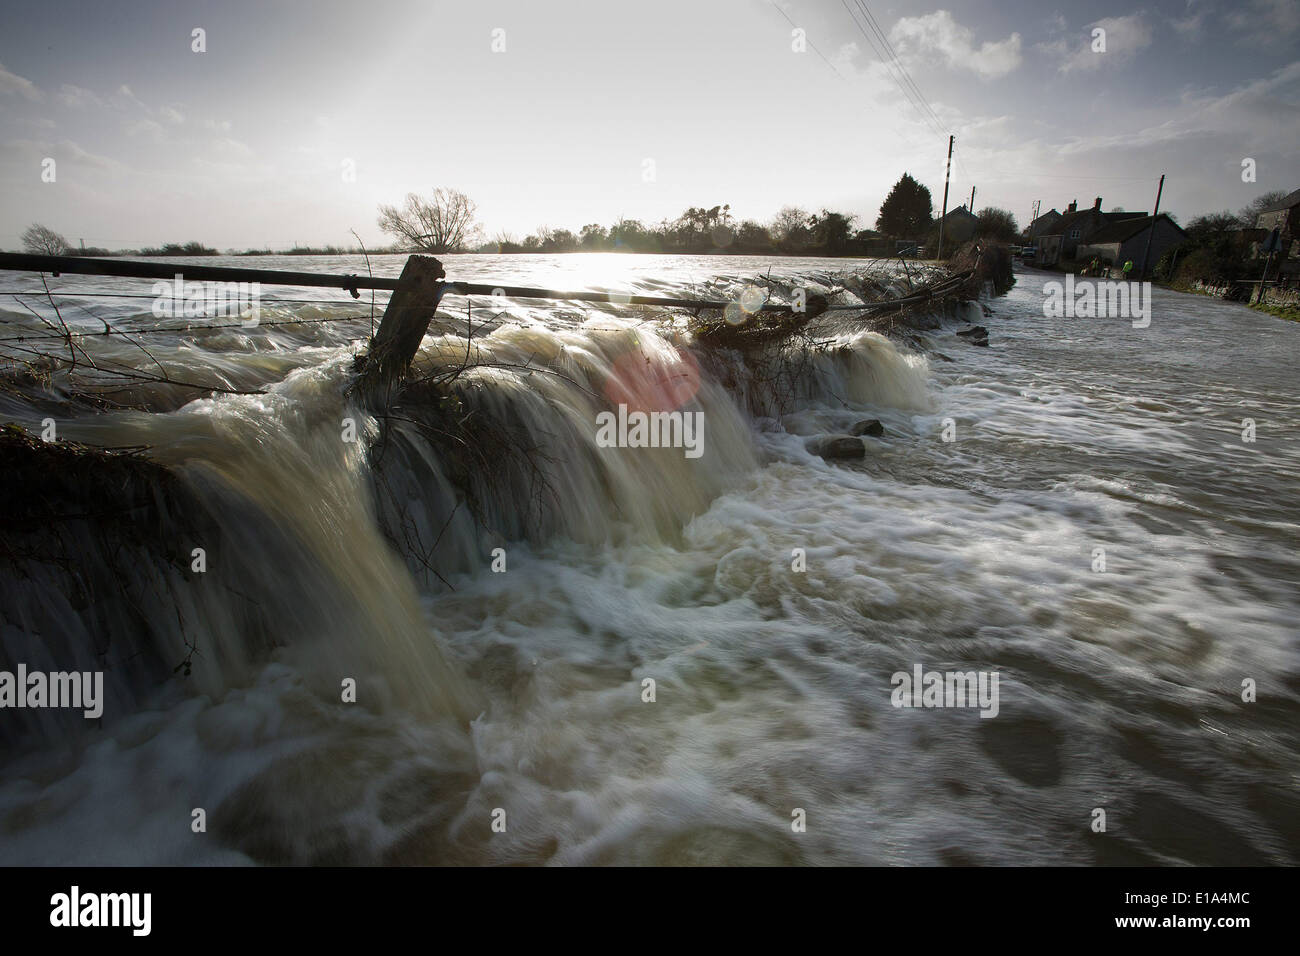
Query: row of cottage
point(1112, 237)
point(1080, 235)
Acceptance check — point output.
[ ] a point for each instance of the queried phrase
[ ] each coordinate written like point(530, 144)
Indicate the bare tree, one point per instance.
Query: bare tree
point(1249, 214)
point(789, 230)
point(1213, 226)
point(41, 241)
point(443, 222)
point(997, 224)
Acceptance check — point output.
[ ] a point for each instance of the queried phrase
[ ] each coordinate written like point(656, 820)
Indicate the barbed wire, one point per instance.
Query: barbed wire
point(70, 293)
point(112, 376)
point(182, 328)
point(38, 336)
point(56, 335)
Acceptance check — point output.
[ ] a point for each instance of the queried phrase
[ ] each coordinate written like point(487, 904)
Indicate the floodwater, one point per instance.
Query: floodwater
point(630, 656)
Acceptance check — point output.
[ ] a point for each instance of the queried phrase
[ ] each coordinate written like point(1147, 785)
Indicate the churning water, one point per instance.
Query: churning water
point(1076, 444)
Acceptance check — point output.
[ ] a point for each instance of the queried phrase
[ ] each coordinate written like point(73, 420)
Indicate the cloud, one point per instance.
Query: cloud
point(18, 85)
point(1262, 109)
point(124, 93)
point(1199, 138)
point(225, 147)
point(1262, 113)
point(872, 73)
point(75, 155)
point(74, 97)
point(1124, 37)
point(171, 114)
point(1056, 49)
point(147, 127)
point(65, 152)
point(1266, 22)
point(22, 148)
point(919, 38)
point(1193, 20)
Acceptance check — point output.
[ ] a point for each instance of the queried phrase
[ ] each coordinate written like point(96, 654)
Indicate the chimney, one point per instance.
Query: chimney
point(1073, 207)
point(1097, 204)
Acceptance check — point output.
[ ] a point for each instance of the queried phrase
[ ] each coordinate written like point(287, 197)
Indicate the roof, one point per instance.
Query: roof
point(1286, 202)
point(1125, 229)
point(959, 210)
point(1070, 218)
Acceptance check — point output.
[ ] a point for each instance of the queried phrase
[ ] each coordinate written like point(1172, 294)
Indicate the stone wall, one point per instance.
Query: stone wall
point(1238, 291)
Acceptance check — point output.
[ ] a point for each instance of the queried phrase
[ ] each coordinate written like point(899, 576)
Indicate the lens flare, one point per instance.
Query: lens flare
point(647, 382)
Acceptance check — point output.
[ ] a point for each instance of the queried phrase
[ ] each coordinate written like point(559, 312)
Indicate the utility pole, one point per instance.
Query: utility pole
point(972, 199)
point(1146, 254)
point(947, 170)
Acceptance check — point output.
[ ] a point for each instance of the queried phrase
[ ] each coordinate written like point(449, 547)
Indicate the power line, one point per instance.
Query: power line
point(810, 42)
point(907, 82)
point(884, 39)
point(964, 171)
point(1098, 179)
point(889, 67)
point(897, 72)
point(937, 121)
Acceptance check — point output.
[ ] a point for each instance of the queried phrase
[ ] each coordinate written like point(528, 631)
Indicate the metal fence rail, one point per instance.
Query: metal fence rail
point(134, 269)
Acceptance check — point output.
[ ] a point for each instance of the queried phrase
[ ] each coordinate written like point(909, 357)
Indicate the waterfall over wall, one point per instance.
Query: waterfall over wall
point(316, 548)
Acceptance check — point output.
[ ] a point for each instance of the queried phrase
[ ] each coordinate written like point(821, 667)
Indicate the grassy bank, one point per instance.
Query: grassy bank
point(1291, 312)
point(1288, 310)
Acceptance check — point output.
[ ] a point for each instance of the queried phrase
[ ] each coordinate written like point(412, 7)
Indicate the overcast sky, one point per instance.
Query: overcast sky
point(596, 110)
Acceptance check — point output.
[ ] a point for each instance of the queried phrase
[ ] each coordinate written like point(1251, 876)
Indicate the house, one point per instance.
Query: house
point(1126, 239)
point(959, 225)
point(1283, 216)
point(1043, 225)
point(1062, 239)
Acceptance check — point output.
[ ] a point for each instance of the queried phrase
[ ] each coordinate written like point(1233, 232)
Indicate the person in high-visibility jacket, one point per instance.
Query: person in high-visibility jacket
point(1128, 267)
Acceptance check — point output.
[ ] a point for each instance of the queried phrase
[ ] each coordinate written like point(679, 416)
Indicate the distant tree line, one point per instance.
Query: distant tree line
point(445, 222)
point(700, 230)
point(41, 240)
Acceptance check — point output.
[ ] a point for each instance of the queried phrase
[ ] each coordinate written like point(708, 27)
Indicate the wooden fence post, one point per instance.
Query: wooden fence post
point(405, 322)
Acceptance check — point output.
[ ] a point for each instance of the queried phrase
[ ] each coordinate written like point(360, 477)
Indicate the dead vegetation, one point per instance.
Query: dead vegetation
point(716, 330)
point(483, 448)
point(88, 522)
point(767, 360)
point(986, 262)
